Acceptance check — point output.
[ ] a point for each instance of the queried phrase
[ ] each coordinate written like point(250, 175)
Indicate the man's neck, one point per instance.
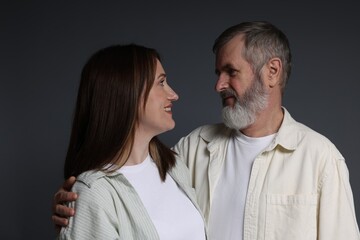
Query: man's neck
point(267, 122)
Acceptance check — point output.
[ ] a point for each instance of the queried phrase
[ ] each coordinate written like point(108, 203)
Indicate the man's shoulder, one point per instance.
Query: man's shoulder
point(318, 139)
point(309, 134)
point(305, 135)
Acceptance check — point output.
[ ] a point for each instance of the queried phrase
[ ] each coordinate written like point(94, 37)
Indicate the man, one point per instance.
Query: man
point(261, 175)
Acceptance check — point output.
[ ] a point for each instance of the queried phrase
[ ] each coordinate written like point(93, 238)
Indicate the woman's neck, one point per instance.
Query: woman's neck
point(140, 149)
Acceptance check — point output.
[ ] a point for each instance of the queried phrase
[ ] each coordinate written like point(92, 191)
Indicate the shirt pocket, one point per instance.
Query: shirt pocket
point(291, 217)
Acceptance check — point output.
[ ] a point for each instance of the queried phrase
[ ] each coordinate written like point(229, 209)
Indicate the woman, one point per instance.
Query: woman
point(130, 185)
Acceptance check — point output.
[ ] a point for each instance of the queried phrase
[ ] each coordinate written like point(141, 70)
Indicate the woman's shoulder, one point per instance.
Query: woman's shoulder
point(90, 177)
point(94, 184)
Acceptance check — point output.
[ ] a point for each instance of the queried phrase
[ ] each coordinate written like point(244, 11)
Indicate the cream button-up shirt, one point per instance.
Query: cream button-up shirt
point(299, 186)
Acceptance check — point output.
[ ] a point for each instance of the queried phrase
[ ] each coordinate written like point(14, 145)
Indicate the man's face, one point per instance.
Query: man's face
point(242, 92)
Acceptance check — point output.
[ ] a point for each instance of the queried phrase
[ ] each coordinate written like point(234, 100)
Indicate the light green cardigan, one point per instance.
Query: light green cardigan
point(108, 207)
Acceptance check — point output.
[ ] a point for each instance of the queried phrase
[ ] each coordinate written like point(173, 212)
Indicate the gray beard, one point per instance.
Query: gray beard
point(243, 113)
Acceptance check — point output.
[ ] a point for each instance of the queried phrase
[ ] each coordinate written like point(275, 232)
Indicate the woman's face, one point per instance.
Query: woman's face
point(157, 116)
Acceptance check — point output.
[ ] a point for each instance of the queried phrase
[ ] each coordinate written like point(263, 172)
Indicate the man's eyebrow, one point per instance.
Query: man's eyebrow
point(228, 66)
point(224, 67)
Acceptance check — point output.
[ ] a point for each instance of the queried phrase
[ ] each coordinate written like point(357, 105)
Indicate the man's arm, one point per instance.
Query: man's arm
point(61, 213)
point(96, 213)
point(336, 211)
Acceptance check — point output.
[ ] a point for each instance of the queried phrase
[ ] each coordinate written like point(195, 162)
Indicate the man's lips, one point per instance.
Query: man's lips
point(228, 98)
point(229, 101)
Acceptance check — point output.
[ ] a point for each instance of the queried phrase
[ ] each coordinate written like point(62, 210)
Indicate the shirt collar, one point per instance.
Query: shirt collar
point(288, 135)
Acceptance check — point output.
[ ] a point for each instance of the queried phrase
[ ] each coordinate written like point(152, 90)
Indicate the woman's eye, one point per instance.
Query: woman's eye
point(162, 82)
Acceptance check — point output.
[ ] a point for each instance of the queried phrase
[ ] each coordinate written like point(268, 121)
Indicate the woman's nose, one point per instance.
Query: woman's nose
point(173, 96)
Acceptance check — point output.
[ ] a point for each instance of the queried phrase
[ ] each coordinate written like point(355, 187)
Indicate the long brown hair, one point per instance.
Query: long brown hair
point(113, 82)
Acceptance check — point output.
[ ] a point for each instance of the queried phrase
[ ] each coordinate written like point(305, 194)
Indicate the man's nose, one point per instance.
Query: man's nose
point(222, 83)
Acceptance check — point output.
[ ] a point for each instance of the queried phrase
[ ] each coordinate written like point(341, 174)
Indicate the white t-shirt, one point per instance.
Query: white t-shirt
point(228, 205)
point(172, 212)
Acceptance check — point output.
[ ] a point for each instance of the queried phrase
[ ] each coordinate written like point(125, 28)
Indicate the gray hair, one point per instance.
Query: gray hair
point(262, 41)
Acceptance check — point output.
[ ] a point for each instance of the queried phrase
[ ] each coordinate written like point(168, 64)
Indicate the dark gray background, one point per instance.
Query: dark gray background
point(45, 44)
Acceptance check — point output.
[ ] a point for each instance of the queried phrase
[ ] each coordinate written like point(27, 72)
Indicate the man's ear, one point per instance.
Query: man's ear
point(273, 72)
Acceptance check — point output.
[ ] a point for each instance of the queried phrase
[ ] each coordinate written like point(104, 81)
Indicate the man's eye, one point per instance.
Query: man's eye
point(232, 72)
